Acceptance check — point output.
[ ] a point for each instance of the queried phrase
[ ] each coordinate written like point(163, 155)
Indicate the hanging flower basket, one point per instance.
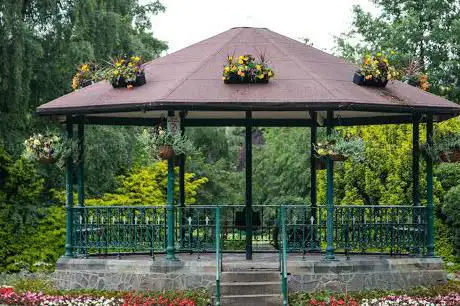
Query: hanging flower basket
point(245, 69)
point(46, 160)
point(49, 149)
point(320, 164)
point(338, 148)
point(338, 157)
point(450, 157)
point(166, 152)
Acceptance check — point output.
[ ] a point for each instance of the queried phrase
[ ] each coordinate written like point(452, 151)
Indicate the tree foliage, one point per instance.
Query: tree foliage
point(424, 30)
point(148, 186)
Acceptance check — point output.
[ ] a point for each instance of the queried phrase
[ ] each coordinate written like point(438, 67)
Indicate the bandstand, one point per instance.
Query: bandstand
point(225, 247)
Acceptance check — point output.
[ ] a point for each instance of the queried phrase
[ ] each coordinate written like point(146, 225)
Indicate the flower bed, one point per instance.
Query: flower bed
point(447, 300)
point(9, 297)
point(443, 295)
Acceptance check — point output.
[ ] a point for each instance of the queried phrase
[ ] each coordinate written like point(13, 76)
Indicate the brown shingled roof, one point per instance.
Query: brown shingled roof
point(306, 78)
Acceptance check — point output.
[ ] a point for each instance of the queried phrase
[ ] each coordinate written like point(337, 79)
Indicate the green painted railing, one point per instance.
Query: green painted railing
point(143, 229)
point(283, 256)
point(218, 255)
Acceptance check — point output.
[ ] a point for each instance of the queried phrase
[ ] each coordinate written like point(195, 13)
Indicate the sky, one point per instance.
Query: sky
point(189, 21)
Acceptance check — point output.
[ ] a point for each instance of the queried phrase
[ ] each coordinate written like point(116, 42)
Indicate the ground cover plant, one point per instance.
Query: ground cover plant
point(445, 294)
point(37, 289)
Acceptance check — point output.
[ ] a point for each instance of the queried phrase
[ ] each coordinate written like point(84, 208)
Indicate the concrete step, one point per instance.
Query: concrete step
point(249, 288)
point(251, 266)
point(250, 276)
point(251, 300)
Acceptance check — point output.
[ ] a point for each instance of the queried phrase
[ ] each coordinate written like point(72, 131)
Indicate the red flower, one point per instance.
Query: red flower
point(6, 290)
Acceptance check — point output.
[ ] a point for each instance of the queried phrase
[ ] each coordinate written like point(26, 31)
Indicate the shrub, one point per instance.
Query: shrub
point(448, 174)
point(451, 211)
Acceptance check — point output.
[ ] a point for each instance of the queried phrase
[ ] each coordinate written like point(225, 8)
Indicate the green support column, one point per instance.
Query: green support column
point(80, 167)
point(416, 174)
point(69, 192)
point(313, 191)
point(248, 187)
point(330, 197)
point(429, 190)
point(182, 157)
point(170, 249)
point(416, 160)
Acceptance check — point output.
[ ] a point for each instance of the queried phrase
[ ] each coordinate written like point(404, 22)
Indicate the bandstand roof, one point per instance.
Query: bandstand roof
point(307, 79)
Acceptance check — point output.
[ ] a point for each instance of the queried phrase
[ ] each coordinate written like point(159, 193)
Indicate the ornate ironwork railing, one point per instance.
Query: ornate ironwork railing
point(118, 229)
point(142, 229)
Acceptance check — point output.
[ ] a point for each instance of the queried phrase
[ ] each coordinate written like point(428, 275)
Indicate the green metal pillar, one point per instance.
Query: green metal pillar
point(69, 192)
point(330, 197)
point(248, 143)
point(313, 190)
point(80, 167)
point(182, 157)
point(416, 174)
point(416, 160)
point(170, 249)
point(429, 189)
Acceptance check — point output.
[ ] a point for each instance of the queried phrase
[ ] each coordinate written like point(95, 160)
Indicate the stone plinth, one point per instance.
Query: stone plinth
point(309, 273)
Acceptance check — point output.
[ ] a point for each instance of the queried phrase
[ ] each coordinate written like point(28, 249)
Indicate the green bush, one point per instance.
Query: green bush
point(451, 211)
point(448, 174)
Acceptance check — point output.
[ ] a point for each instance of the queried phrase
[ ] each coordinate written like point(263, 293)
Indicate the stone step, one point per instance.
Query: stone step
point(250, 276)
point(248, 288)
point(251, 266)
point(251, 300)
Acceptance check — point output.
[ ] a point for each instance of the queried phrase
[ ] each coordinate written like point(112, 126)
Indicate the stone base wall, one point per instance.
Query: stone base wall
point(314, 274)
point(114, 274)
point(361, 275)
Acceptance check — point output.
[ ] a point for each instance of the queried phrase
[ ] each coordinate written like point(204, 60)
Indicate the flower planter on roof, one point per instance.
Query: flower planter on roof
point(85, 83)
point(140, 80)
point(359, 79)
point(235, 79)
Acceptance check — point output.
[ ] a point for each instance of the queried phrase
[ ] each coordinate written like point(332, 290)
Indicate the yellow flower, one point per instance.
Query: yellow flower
point(241, 57)
point(85, 67)
point(117, 64)
point(368, 77)
point(261, 76)
point(258, 67)
point(135, 58)
point(227, 69)
point(230, 58)
point(240, 61)
point(270, 73)
point(115, 72)
point(130, 64)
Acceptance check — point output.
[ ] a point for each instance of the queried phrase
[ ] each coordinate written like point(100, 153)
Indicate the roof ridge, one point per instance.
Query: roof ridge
point(200, 65)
